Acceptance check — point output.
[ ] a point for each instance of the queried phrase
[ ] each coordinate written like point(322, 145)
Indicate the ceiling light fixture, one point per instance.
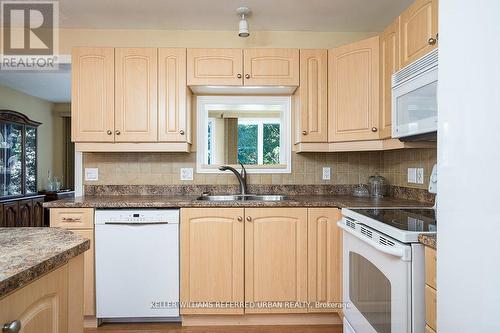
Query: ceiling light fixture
point(243, 25)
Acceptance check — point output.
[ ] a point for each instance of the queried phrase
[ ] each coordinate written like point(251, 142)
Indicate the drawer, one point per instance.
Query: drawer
point(430, 267)
point(430, 307)
point(72, 218)
point(428, 329)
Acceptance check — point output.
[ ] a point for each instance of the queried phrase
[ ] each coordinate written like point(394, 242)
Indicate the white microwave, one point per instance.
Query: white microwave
point(414, 98)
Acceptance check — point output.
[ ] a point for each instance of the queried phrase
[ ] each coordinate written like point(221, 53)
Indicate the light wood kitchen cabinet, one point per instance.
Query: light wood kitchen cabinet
point(92, 97)
point(312, 94)
point(324, 259)
point(215, 67)
point(430, 289)
point(419, 30)
point(271, 67)
point(389, 64)
point(49, 304)
point(430, 307)
point(136, 109)
point(275, 257)
point(80, 221)
point(212, 258)
point(174, 97)
point(353, 99)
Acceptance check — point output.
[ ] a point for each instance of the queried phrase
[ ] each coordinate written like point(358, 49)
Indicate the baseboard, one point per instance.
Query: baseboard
point(262, 319)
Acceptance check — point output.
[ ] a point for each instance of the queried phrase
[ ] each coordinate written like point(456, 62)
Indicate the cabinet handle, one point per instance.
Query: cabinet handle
point(109, 132)
point(304, 132)
point(12, 327)
point(71, 219)
point(117, 132)
point(239, 76)
point(431, 41)
point(181, 132)
point(240, 218)
point(374, 129)
point(247, 76)
point(249, 218)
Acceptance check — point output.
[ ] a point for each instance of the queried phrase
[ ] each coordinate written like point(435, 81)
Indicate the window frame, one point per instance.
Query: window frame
point(282, 104)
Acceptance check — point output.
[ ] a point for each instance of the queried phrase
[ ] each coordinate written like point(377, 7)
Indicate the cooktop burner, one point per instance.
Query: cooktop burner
point(419, 220)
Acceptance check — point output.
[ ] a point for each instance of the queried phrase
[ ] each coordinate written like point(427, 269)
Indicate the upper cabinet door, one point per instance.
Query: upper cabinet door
point(312, 124)
point(419, 28)
point(92, 100)
point(353, 72)
point(271, 67)
point(214, 67)
point(173, 96)
point(136, 95)
point(389, 64)
point(275, 257)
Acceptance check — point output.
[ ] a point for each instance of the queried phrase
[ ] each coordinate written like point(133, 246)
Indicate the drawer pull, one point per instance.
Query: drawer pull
point(12, 327)
point(71, 219)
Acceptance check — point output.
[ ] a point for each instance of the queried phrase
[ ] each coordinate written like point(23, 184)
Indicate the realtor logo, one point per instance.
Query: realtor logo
point(29, 35)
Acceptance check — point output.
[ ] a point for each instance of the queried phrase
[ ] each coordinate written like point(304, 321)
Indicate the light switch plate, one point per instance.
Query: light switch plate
point(186, 173)
point(91, 174)
point(420, 175)
point(326, 173)
point(412, 175)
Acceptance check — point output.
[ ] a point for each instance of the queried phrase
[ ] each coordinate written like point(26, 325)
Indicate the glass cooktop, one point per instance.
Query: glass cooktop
point(421, 220)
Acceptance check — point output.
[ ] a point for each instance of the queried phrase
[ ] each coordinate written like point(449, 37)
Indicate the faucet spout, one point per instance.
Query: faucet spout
point(242, 177)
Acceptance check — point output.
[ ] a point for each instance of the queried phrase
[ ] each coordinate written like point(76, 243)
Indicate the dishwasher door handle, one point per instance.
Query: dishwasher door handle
point(134, 223)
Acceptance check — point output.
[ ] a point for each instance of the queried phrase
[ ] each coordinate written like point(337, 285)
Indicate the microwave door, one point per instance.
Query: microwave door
point(415, 106)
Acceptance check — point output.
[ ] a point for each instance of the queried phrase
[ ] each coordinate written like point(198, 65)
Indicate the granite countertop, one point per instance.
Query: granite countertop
point(28, 253)
point(428, 240)
point(180, 201)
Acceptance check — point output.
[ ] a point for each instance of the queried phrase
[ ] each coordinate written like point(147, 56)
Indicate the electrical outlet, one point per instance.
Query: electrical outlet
point(420, 175)
point(91, 174)
point(412, 175)
point(326, 173)
point(186, 173)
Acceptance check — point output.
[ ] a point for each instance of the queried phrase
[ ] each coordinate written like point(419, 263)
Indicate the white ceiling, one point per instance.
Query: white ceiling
point(281, 15)
point(52, 86)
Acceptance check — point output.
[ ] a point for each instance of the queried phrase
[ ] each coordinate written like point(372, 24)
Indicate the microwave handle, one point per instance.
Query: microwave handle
point(397, 252)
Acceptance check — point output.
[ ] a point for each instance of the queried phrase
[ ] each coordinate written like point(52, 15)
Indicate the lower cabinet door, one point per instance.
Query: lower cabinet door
point(88, 277)
point(275, 260)
point(40, 306)
point(324, 260)
point(212, 244)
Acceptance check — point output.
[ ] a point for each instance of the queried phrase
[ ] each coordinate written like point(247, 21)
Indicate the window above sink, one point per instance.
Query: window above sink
point(253, 130)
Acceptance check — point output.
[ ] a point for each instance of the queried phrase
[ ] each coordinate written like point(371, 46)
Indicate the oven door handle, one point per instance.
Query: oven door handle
point(396, 252)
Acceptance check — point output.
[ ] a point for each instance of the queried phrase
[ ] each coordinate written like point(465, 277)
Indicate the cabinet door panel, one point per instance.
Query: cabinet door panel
point(212, 258)
point(389, 62)
point(276, 257)
point(271, 67)
point(92, 101)
point(418, 23)
point(174, 120)
point(88, 278)
point(214, 67)
point(25, 213)
point(41, 306)
point(354, 91)
point(312, 122)
point(324, 259)
point(38, 213)
point(136, 95)
point(11, 214)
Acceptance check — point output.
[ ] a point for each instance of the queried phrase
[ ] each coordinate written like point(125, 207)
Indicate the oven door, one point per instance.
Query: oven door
point(414, 105)
point(376, 285)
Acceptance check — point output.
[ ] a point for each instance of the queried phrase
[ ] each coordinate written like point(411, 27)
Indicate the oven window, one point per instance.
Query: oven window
point(370, 292)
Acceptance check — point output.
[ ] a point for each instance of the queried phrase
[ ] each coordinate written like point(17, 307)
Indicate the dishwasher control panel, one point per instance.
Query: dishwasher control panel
point(137, 216)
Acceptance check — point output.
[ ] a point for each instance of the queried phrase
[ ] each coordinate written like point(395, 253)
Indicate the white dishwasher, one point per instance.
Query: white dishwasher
point(137, 264)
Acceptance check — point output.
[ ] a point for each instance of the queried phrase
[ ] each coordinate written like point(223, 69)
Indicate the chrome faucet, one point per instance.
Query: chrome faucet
point(242, 177)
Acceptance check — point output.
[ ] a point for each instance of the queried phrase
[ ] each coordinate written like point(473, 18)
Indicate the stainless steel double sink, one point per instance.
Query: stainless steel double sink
point(246, 197)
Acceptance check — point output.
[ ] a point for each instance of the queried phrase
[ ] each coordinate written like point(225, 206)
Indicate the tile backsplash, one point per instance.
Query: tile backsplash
point(346, 168)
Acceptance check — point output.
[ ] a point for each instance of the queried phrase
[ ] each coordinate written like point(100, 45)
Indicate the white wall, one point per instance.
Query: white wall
point(468, 263)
